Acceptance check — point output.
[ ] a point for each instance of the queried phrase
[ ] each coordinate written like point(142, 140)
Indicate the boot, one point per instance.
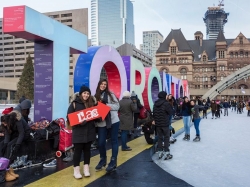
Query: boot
point(69, 157)
point(188, 137)
point(197, 139)
point(185, 137)
point(112, 165)
point(9, 177)
point(11, 171)
point(101, 164)
point(77, 173)
point(86, 170)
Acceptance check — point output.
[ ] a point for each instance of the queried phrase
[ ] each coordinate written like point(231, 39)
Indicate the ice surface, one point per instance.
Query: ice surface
point(221, 159)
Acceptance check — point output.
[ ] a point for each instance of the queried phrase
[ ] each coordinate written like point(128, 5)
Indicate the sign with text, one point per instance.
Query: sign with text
point(14, 19)
point(43, 80)
point(99, 111)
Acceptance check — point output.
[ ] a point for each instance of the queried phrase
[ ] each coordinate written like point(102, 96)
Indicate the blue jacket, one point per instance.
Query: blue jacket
point(226, 105)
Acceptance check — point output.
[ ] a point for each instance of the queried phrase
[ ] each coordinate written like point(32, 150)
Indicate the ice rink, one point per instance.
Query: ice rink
point(221, 159)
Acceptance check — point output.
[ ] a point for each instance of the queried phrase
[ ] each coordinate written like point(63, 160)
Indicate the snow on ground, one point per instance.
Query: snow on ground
point(221, 159)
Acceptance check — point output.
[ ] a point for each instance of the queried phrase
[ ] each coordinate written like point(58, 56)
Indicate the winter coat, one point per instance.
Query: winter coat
point(196, 111)
point(85, 132)
point(114, 111)
point(161, 111)
point(138, 102)
point(127, 107)
point(205, 105)
point(186, 109)
point(213, 106)
point(226, 105)
point(19, 130)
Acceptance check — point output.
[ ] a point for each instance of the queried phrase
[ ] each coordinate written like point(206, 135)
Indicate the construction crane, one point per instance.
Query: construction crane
point(221, 3)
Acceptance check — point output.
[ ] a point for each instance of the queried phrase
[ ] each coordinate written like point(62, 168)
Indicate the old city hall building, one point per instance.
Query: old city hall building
point(205, 62)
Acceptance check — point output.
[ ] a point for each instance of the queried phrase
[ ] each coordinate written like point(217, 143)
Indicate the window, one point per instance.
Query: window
point(236, 55)
point(54, 16)
point(246, 54)
point(66, 15)
point(221, 54)
point(231, 54)
point(19, 48)
point(204, 58)
point(165, 70)
point(222, 77)
point(173, 50)
point(241, 40)
point(241, 54)
point(66, 20)
point(20, 42)
point(183, 73)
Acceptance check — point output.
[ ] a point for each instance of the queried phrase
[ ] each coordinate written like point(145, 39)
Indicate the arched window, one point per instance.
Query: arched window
point(204, 58)
point(165, 70)
point(243, 86)
point(183, 73)
point(236, 55)
point(241, 54)
point(222, 77)
point(231, 54)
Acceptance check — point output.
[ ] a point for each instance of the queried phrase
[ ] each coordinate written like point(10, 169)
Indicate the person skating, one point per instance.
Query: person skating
point(248, 108)
point(161, 111)
point(225, 106)
point(84, 133)
point(213, 108)
point(218, 111)
point(196, 119)
point(186, 114)
point(204, 110)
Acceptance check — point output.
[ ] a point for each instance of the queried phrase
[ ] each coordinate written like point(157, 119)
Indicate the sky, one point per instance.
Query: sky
point(162, 15)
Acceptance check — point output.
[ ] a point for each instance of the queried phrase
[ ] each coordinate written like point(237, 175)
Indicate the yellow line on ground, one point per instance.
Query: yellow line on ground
point(64, 178)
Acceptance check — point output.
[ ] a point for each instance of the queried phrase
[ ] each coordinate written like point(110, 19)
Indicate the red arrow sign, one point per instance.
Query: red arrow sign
point(99, 111)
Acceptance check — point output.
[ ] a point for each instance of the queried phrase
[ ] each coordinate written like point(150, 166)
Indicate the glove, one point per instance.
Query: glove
point(4, 148)
point(83, 123)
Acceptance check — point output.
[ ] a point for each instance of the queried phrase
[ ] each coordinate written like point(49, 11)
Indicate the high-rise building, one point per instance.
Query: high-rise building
point(215, 19)
point(112, 22)
point(151, 42)
point(14, 51)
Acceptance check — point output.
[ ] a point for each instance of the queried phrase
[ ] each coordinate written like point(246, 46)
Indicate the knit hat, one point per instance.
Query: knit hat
point(7, 110)
point(25, 104)
point(133, 94)
point(84, 89)
point(162, 95)
point(126, 94)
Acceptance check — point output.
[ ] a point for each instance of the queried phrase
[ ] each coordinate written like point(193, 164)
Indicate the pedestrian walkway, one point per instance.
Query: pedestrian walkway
point(222, 158)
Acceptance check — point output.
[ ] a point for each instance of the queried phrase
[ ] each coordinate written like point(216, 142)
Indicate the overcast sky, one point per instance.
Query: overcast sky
point(162, 15)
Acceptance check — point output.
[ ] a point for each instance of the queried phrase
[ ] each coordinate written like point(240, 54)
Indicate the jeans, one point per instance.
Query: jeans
point(225, 111)
point(196, 126)
point(102, 136)
point(124, 138)
point(186, 121)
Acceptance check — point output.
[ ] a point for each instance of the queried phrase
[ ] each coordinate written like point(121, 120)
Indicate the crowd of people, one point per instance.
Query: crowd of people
point(123, 119)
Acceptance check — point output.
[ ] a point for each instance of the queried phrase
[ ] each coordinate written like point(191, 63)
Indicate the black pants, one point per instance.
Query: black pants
point(248, 113)
point(79, 147)
point(136, 115)
point(213, 113)
point(7, 152)
point(163, 136)
point(204, 113)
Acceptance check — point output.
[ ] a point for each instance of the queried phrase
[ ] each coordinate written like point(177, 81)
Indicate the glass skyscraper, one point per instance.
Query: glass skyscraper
point(112, 22)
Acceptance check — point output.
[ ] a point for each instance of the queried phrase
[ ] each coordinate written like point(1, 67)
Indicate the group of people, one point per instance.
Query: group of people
point(14, 131)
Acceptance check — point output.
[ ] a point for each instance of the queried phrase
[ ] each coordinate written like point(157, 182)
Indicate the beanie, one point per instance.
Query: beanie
point(7, 110)
point(84, 89)
point(25, 104)
point(126, 94)
point(133, 94)
point(162, 95)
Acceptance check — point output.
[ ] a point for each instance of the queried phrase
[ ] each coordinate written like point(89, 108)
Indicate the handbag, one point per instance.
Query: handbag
point(143, 113)
point(4, 163)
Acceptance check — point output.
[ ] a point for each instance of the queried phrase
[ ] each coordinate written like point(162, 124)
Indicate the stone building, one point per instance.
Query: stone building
point(205, 62)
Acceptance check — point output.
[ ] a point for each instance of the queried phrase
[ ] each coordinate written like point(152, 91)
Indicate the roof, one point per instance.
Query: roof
point(179, 39)
point(221, 37)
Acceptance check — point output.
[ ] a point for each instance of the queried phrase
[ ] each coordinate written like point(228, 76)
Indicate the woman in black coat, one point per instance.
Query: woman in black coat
point(82, 134)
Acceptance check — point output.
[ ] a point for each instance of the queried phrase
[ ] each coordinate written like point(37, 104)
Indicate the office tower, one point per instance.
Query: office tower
point(215, 19)
point(151, 42)
point(112, 22)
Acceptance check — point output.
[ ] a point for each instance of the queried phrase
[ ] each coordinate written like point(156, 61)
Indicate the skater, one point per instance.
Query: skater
point(226, 106)
point(238, 107)
point(218, 111)
point(173, 103)
point(110, 124)
point(213, 108)
point(204, 110)
point(186, 113)
point(234, 104)
point(248, 108)
point(161, 111)
point(196, 119)
point(82, 134)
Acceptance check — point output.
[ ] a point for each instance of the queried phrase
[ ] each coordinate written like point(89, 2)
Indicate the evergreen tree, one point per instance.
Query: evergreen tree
point(25, 86)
